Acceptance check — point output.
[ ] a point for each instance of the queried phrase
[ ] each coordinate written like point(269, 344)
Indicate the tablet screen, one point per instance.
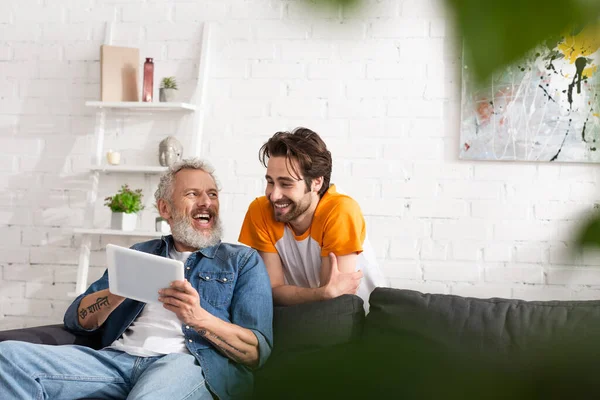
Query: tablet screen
point(138, 275)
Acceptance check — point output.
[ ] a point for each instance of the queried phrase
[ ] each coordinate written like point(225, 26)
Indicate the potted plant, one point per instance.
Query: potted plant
point(124, 206)
point(168, 87)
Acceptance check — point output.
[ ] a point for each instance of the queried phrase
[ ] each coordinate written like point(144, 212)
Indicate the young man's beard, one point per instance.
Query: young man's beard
point(296, 209)
point(183, 232)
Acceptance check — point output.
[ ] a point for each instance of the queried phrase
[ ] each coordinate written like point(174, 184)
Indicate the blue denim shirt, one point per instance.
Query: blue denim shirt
point(233, 284)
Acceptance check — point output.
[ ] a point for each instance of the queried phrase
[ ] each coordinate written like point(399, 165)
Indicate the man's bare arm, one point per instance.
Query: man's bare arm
point(233, 341)
point(287, 295)
point(346, 264)
point(96, 307)
point(333, 286)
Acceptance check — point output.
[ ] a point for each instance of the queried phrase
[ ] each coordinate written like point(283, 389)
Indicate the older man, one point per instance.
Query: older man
point(213, 328)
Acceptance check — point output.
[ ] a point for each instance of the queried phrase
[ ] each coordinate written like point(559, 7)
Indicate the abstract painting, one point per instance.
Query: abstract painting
point(542, 108)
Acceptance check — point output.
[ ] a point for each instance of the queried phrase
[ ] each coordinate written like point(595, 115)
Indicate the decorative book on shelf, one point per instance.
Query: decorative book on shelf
point(119, 71)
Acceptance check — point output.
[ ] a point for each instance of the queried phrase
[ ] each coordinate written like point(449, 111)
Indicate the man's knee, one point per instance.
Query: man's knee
point(11, 349)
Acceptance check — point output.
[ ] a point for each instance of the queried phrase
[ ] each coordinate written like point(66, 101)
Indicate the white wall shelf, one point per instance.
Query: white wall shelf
point(116, 232)
point(142, 169)
point(194, 108)
point(142, 106)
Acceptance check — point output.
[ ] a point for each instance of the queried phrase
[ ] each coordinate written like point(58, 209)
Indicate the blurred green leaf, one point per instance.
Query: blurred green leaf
point(589, 233)
point(498, 33)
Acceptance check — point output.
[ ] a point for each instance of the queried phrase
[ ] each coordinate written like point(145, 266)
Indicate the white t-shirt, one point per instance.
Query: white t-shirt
point(156, 330)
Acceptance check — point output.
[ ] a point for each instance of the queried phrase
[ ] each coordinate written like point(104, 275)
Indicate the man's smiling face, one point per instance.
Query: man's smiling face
point(194, 210)
point(286, 190)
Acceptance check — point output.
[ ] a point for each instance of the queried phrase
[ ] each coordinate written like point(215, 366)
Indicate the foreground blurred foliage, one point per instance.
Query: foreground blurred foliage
point(498, 33)
point(410, 367)
point(588, 235)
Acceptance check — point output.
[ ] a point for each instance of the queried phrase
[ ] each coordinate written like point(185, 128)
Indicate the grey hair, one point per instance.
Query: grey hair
point(165, 185)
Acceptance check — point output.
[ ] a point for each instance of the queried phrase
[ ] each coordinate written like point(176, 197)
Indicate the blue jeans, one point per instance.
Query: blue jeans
point(34, 371)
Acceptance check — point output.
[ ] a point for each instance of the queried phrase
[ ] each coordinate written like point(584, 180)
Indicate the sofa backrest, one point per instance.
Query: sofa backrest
point(307, 339)
point(495, 324)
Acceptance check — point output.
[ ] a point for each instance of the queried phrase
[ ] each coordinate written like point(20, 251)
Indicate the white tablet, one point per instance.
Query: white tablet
point(138, 275)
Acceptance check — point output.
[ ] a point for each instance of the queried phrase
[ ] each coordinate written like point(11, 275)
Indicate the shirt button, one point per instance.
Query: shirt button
point(187, 327)
point(224, 279)
point(208, 277)
point(188, 268)
point(190, 340)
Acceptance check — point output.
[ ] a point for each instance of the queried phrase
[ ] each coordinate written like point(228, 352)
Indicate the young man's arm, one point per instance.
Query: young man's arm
point(336, 283)
point(346, 264)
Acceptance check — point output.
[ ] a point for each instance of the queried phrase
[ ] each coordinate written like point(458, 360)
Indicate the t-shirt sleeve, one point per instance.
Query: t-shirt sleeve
point(254, 232)
point(344, 229)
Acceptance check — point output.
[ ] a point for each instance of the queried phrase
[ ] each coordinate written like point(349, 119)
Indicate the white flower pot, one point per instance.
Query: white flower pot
point(167, 95)
point(123, 221)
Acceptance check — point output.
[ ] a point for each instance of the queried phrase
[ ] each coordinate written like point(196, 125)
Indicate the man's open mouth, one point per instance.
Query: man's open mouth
point(203, 217)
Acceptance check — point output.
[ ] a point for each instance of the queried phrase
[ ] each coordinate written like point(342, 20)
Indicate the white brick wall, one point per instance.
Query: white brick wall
point(381, 84)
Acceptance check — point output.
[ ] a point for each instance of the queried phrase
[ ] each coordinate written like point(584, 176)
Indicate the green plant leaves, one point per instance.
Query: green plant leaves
point(168, 82)
point(125, 201)
point(497, 33)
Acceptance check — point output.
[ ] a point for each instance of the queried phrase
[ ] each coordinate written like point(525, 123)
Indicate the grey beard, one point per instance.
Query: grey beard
point(184, 233)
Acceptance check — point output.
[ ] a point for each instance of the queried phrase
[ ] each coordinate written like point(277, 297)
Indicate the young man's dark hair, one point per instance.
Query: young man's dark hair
point(307, 147)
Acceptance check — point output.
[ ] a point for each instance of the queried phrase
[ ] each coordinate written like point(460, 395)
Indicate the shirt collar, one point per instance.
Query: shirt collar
point(209, 252)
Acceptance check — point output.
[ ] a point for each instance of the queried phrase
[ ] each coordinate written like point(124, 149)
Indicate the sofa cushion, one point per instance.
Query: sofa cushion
point(49, 334)
point(445, 346)
point(317, 325)
point(499, 325)
point(306, 336)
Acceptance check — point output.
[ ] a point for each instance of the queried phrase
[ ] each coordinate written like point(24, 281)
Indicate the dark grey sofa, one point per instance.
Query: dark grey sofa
point(422, 346)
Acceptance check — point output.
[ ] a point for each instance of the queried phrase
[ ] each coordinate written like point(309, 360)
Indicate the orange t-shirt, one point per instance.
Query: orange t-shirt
point(338, 227)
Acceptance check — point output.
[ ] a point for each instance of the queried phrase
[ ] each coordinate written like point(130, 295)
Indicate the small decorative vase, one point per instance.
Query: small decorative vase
point(123, 221)
point(162, 225)
point(148, 80)
point(167, 95)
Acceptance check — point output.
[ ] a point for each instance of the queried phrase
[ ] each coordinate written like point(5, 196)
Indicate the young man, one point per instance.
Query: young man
point(312, 238)
point(212, 329)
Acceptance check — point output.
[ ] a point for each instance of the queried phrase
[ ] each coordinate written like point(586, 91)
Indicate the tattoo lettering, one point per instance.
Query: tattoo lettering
point(100, 302)
point(223, 346)
point(92, 308)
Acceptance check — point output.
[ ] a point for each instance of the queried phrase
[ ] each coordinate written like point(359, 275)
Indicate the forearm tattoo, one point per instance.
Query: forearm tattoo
point(223, 346)
point(92, 308)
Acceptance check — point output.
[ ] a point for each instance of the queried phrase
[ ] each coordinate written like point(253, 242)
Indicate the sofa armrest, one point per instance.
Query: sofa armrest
point(47, 334)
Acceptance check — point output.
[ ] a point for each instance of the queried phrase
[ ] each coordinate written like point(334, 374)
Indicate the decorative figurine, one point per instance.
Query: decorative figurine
point(170, 151)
